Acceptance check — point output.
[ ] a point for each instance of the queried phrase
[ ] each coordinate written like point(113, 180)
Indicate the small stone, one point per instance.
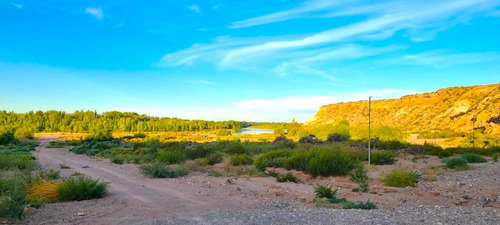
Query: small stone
point(465, 196)
point(81, 214)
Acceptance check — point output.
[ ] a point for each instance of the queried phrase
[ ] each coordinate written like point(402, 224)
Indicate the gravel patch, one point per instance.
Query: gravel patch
point(277, 212)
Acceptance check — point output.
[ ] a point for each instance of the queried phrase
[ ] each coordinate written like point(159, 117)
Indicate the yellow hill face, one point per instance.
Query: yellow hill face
point(452, 109)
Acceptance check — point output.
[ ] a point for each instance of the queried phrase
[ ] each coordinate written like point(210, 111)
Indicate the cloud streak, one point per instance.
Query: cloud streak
point(97, 12)
point(194, 8)
point(418, 20)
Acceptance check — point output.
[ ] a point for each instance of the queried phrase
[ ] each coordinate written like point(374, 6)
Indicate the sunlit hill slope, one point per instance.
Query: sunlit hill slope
point(452, 109)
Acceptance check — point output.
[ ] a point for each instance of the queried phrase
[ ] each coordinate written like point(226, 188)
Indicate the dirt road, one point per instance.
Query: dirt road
point(134, 198)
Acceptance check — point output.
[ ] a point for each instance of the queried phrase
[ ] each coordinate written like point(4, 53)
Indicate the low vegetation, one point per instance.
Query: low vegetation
point(456, 163)
point(473, 158)
point(22, 182)
point(386, 157)
point(78, 188)
point(160, 170)
point(323, 192)
point(400, 178)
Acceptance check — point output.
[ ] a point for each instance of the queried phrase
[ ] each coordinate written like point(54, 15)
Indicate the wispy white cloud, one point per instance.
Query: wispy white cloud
point(97, 12)
point(293, 103)
point(18, 6)
point(194, 8)
point(441, 58)
point(417, 19)
point(300, 11)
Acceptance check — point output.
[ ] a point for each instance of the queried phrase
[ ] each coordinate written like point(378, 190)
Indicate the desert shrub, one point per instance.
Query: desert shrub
point(235, 148)
point(214, 158)
point(445, 154)
point(50, 174)
point(242, 159)
point(383, 157)
point(283, 142)
point(200, 151)
point(12, 204)
point(7, 137)
point(400, 178)
point(288, 177)
point(455, 163)
point(274, 158)
point(324, 192)
point(389, 145)
point(159, 170)
point(358, 205)
point(21, 161)
point(298, 161)
point(359, 175)
point(473, 158)
point(331, 163)
point(117, 160)
point(311, 139)
point(78, 188)
point(170, 157)
point(336, 138)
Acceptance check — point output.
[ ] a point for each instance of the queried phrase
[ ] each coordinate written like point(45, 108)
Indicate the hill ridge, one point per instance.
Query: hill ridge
point(452, 108)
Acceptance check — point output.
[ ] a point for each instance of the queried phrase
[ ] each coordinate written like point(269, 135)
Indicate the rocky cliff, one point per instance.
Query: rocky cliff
point(454, 109)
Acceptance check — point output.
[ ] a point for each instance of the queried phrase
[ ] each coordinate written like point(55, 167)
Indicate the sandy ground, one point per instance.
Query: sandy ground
point(134, 198)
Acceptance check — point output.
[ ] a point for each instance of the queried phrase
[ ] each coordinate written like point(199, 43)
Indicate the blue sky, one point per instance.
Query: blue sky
point(262, 60)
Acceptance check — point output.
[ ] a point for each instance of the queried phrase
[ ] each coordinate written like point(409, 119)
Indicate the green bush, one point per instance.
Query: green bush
point(400, 178)
point(298, 161)
point(7, 137)
point(78, 188)
point(495, 156)
point(283, 142)
point(445, 154)
point(170, 157)
point(117, 160)
point(159, 170)
point(455, 163)
point(473, 158)
point(336, 138)
point(215, 158)
point(359, 205)
point(324, 192)
point(12, 204)
point(331, 163)
point(360, 176)
point(243, 159)
point(311, 139)
point(274, 158)
point(288, 177)
point(387, 157)
point(235, 148)
point(200, 151)
point(19, 160)
point(50, 174)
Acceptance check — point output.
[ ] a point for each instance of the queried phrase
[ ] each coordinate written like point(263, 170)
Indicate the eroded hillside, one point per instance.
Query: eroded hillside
point(452, 109)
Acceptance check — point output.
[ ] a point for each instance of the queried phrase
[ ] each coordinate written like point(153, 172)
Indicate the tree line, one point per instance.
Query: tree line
point(88, 121)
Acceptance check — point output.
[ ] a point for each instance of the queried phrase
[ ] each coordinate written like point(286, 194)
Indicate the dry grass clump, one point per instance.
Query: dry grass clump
point(45, 191)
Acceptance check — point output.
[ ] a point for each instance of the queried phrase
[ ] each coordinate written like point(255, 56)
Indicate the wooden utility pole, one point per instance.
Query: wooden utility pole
point(369, 126)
